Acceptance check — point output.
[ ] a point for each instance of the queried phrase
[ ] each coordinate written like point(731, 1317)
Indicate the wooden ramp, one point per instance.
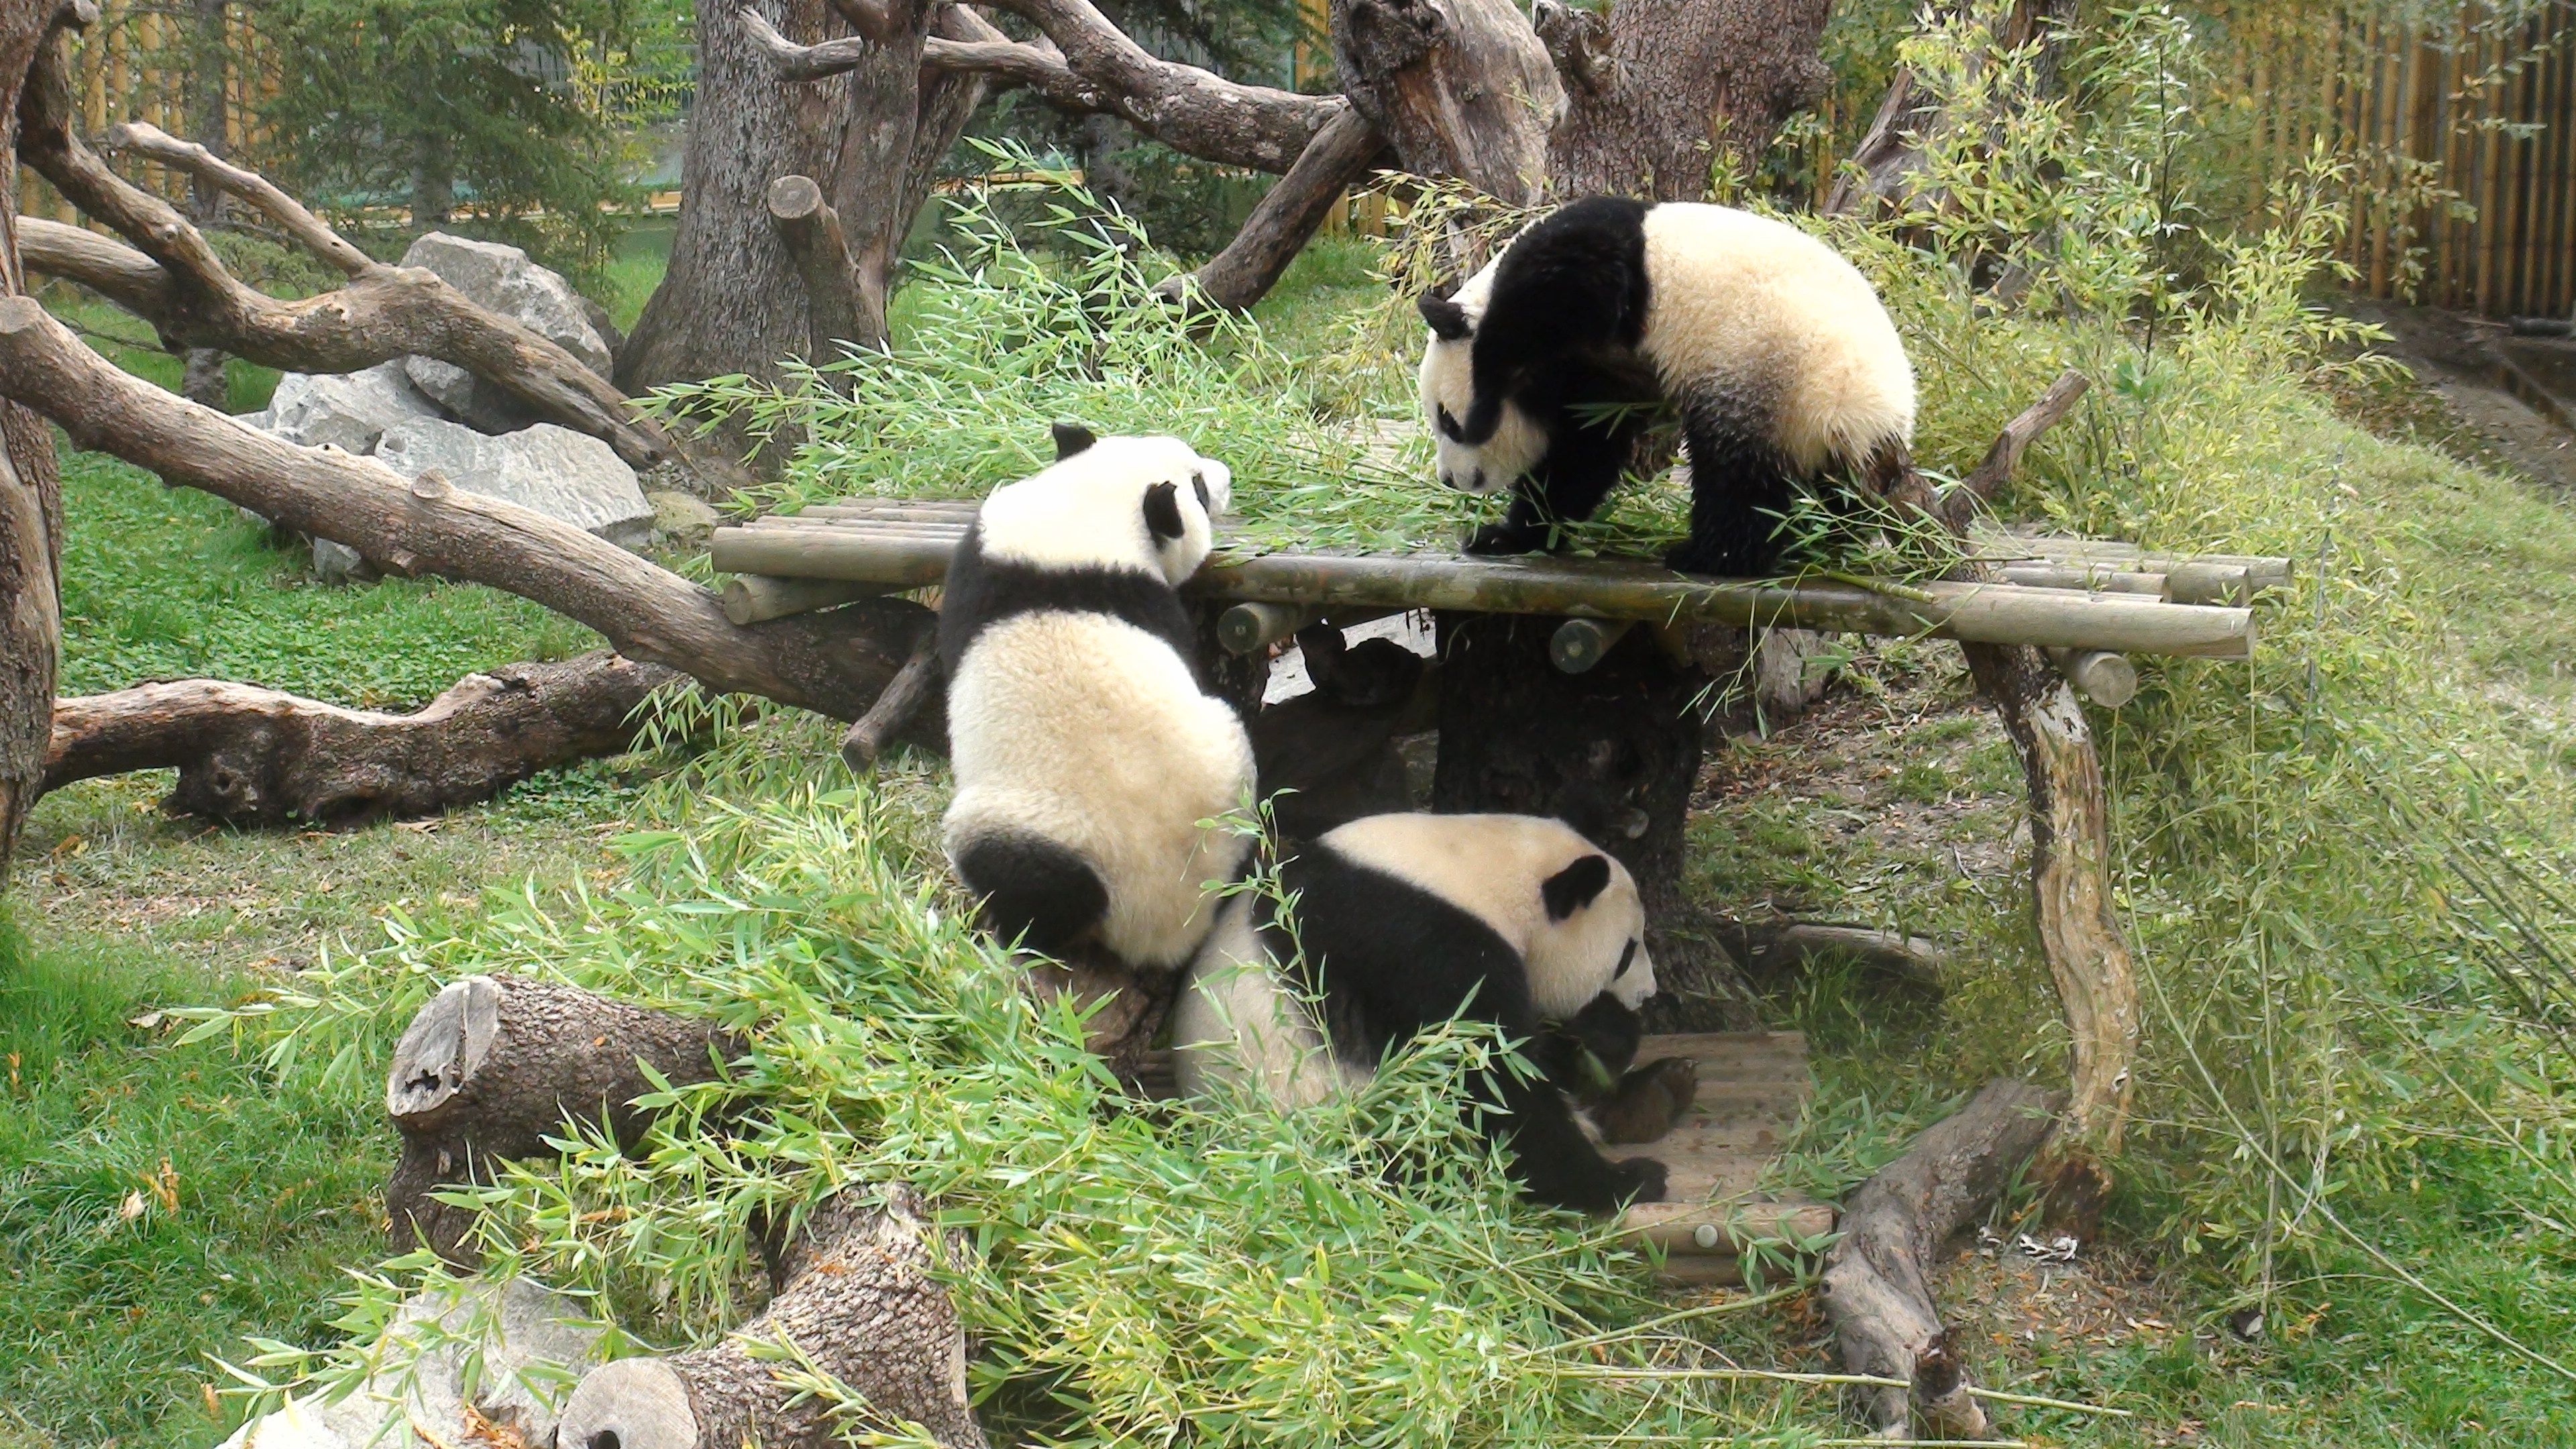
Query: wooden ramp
point(1752, 1086)
point(2057, 593)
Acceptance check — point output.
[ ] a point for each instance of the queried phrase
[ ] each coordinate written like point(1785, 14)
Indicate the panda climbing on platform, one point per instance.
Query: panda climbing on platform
point(1092, 767)
point(1541, 371)
point(1405, 921)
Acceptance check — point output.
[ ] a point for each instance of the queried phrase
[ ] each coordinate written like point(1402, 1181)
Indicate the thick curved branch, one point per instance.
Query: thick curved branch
point(106, 266)
point(1088, 64)
point(251, 756)
point(1251, 264)
point(384, 312)
point(833, 663)
point(309, 231)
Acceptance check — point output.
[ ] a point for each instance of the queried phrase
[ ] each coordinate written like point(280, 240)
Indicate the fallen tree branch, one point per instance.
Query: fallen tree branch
point(811, 231)
point(1877, 1279)
point(855, 1299)
point(383, 312)
point(1286, 218)
point(895, 709)
point(492, 1066)
point(1085, 63)
point(250, 756)
point(106, 266)
point(834, 663)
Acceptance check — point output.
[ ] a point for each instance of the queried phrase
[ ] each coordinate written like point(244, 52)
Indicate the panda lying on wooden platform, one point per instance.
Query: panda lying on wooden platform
point(1406, 921)
point(1088, 756)
point(1774, 349)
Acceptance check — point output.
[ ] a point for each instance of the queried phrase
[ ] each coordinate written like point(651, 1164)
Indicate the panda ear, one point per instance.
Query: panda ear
point(1071, 438)
point(1448, 320)
point(1163, 510)
point(1576, 886)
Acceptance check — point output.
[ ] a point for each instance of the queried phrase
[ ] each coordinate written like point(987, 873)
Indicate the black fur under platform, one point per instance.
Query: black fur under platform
point(981, 593)
point(1394, 960)
point(1033, 892)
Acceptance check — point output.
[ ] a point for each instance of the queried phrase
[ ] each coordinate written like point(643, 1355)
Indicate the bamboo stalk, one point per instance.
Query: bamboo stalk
point(751, 598)
point(1698, 1229)
point(1579, 644)
point(2108, 680)
point(1587, 588)
point(1244, 628)
point(2101, 576)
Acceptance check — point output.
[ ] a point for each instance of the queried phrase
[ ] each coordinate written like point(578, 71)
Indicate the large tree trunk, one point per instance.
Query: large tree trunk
point(1458, 87)
point(248, 756)
point(1656, 87)
point(31, 507)
point(870, 134)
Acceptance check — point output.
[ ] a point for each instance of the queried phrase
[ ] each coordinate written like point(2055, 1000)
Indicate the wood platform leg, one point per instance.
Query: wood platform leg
point(1614, 752)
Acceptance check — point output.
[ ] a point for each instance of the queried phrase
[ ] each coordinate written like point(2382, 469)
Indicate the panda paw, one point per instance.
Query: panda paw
point(1507, 537)
point(1697, 558)
point(1639, 1179)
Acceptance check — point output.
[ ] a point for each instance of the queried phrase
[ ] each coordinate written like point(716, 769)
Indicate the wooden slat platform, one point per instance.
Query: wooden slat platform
point(2101, 600)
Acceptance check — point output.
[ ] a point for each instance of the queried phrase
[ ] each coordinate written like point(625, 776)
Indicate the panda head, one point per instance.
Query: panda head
point(1594, 939)
point(1480, 445)
point(1120, 502)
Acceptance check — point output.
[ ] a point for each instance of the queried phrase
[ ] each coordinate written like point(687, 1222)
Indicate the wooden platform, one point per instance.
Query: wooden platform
point(2069, 593)
point(1752, 1086)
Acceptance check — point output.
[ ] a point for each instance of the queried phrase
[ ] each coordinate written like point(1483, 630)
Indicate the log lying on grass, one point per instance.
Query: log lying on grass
point(855, 1300)
point(1877, 1280)
point(254, 757)
point(494, 1065)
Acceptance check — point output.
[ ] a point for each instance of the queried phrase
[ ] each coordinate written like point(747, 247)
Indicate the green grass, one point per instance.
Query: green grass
point(163, 583)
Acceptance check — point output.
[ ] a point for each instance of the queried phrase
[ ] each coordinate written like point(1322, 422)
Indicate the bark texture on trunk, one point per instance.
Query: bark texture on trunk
point(833, 663)
point(31, 508)
point(854, 1298)
point(1458, 87)
point(248, 756)
point(1613, 752)
point(494, 1065)
point(1655, 88)
point(732, 301)
point(1877, 1279)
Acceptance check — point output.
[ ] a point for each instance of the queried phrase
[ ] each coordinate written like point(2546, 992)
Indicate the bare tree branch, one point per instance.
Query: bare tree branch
point(152, 144)
point(834, 663)
point(384, 312)
point(106, 266)
point(1088, 64)
point(1339, 156)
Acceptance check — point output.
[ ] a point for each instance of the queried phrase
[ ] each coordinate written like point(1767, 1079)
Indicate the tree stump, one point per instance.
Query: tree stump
point(1613, 752)
point(854, 1299)
point(494, 1065)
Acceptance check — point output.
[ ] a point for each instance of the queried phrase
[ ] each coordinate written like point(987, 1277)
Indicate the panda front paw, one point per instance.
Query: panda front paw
point(1639, 1179)
point(1713, 562)
point(1507, 537)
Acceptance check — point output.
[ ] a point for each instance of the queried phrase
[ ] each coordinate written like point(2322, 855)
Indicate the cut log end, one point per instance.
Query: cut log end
point(634, 1403)
point(442, 1048)
point(795, 198)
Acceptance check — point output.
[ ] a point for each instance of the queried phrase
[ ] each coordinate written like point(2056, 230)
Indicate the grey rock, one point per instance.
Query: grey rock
point(683, 518)
point(504, 280)
point(345, 411)
point(517, 1326)
point(556, 471)
point(337, 563)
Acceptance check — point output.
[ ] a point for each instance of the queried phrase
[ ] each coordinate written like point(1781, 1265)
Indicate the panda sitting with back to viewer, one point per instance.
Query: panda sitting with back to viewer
point(1091, 765)
point(1541, 371)
point(1406, 921)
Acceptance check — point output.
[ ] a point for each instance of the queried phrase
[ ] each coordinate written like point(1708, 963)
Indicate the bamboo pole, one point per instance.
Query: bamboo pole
point(1579, 644)
point(753, 598)
point(2107, 679)
point(1244, 628)
point(1589, 588)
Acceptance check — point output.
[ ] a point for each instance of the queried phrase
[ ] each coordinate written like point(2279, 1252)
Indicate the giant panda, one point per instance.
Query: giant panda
point(1404, 922)
point(1541, 371)
point(1092, 767)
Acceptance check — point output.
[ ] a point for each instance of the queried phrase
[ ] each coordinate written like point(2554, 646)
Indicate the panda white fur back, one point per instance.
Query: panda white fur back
point(1405, 921)
point(1086, 753)
point(1773, 348)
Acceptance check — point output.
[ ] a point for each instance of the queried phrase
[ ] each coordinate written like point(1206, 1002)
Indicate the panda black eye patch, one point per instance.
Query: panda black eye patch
point(1627, 959)
point(1198, 481)
point(1448, 424)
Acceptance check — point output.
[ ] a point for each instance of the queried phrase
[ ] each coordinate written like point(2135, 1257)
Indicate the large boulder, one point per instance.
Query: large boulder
point(504, 280)
point(556, 471)
point(348, 412)
point(512, 1329)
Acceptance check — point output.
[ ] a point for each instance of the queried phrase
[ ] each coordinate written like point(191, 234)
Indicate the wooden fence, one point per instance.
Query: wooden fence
point(2462, 135)
point(132, 65)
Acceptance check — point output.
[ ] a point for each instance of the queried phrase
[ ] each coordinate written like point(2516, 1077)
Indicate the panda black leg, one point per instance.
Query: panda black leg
point(1557, 1164)
point(1033, 892)
point(1740, 490)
